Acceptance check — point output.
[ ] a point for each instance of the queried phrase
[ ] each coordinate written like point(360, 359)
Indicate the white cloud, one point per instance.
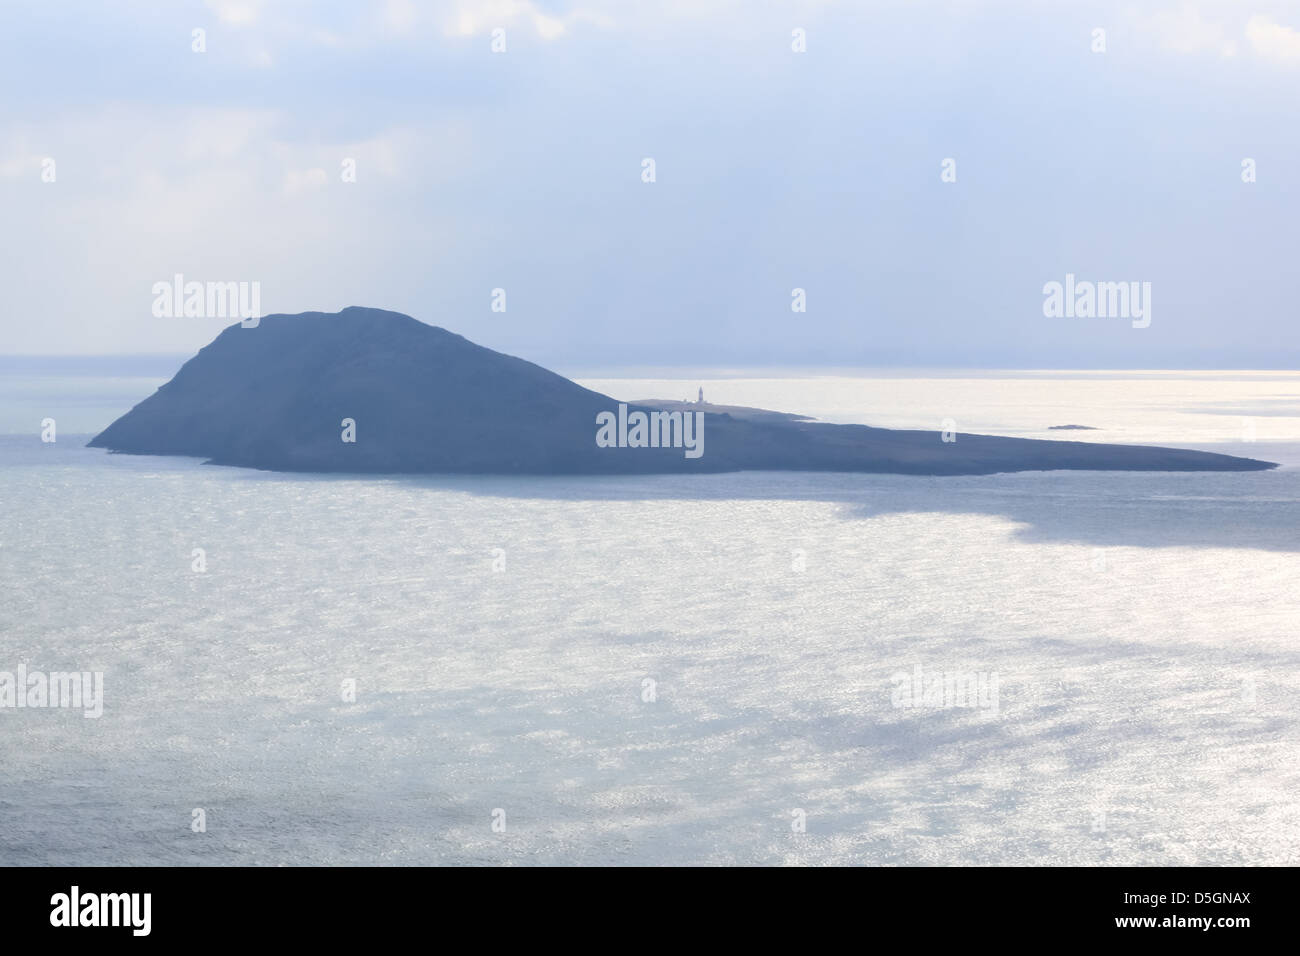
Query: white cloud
point(1186, 31)
point(237, 13)
point(1218, 27)
point(144, 192)
point(548, 28)
point(400, 15)
point(18, 160)
point(476, 17)
point(1272, 40)
point(299, 180)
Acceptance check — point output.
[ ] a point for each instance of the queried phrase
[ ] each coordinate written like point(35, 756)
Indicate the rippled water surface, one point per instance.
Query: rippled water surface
point(666, 669)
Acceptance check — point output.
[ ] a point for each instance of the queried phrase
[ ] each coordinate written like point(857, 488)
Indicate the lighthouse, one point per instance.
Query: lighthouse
point(700, 401)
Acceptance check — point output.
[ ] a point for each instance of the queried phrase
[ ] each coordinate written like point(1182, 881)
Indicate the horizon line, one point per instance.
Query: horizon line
point(595, 369)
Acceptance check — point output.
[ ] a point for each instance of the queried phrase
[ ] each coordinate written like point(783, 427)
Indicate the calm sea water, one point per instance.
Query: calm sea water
point(667, 669)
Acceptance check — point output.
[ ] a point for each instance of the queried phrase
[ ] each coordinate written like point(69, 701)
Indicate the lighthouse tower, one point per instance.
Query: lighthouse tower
point(701, 399)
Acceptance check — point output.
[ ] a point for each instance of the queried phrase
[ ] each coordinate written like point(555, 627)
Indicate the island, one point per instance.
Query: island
point(369, 391)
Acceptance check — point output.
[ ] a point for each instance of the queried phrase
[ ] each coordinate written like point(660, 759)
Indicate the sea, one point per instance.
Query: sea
point(1045, 668)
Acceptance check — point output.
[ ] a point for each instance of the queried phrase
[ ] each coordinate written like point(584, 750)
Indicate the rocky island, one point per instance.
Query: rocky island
point(378, 392)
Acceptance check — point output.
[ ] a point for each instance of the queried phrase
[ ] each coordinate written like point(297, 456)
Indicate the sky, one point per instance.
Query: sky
point(523, 169)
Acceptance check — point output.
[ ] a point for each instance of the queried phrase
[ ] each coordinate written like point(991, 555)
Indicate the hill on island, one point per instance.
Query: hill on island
point(425, 400)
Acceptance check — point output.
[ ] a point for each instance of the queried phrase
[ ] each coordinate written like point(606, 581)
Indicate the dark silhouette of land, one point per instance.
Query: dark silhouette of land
point(425, 400)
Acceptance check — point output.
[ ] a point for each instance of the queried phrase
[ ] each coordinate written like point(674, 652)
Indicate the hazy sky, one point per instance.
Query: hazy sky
point(774, 170)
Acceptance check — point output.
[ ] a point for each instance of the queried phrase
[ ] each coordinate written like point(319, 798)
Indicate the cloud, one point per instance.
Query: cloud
point(1223, 29)
point(400, 15)
point(298, 180)
point(1186, 31)
point(475, 17)
point(237, 13)
point(1272, 40)
point(18, 159)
